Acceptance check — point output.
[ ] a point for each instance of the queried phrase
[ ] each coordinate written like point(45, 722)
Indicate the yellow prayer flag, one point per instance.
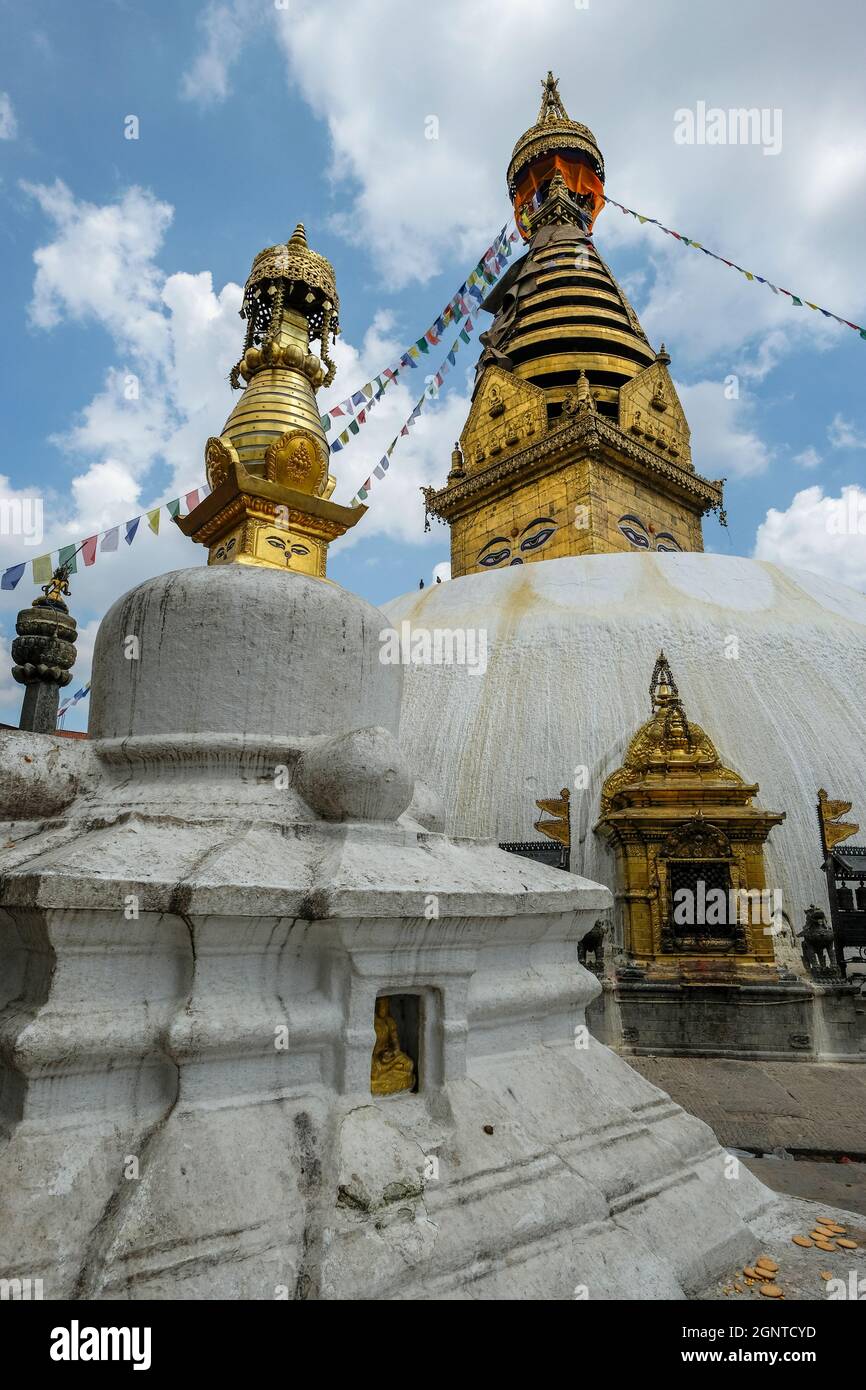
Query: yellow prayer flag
point(42, 570)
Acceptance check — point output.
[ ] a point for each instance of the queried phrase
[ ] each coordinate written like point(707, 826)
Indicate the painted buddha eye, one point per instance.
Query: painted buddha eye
point(300, 550)
point(534, 540)
point(276, 542)
point(494, 557)
point(666, 542)
point(230, 545)
point(634, 531)
point(220, 554)
point(489, 557)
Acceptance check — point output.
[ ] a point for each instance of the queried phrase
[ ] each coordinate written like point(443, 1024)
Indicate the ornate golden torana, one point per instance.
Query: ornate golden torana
point(576, 441)
point(268, 470)
point(677, 818)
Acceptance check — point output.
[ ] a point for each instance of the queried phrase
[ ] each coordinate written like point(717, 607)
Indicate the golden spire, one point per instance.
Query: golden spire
point(554, 133)
point(268, 470)
point(552, 108)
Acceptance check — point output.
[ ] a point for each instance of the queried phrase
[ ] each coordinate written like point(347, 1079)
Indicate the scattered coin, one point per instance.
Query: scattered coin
point(825, 1246)
point(748, 1271)
point(801, 1240)
point(825, 1273)
point(847, 1244)
point(771, 1291)
point(766, 1263)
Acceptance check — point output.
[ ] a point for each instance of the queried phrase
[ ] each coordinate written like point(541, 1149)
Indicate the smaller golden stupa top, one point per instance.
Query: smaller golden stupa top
point(669, 749)
point(268, 469)
point(553, 133)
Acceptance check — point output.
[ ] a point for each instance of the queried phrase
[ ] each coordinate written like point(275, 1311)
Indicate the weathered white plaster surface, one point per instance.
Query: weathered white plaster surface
point(191, 956)
point(571, 648)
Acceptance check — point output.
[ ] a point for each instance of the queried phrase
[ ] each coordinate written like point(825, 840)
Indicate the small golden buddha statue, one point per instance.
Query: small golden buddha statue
point(391, 1069)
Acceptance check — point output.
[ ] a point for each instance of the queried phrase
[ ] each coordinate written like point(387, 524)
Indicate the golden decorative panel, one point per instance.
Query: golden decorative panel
point(684, 827)
point(833, 828)
point(506, 414)
point(650, 409)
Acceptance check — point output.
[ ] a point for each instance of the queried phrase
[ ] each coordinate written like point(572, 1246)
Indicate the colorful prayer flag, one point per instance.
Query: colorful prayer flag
point(88, 549)
point(42, 569)
point(110, 539)
point(12, 576)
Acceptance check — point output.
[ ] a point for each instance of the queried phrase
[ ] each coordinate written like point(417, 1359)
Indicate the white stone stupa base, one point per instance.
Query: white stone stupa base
point(192, 948)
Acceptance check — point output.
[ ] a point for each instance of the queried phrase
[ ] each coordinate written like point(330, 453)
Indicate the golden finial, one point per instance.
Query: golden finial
point(268, 469)
point(553, 133)
point(552, 108)
point(663, 687)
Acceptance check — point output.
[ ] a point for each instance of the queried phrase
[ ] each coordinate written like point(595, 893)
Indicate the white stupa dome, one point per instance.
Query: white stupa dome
point(770, 661)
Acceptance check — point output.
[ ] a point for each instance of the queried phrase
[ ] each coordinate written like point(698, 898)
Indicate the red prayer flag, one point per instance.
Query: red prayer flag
point(88, 550)
point(191, 500)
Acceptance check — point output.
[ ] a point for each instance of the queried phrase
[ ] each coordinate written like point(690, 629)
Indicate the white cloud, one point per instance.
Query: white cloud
point(8, 121)
point(100, 266)
point(442, 572)
point(724, 441)
point(842, 434)
point(808, 458)
point(224, 28)
point(824, 534)
point(413, 200)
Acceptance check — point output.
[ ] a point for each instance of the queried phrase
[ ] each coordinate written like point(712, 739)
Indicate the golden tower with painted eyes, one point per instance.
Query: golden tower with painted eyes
point(268, 470)
point(576, 442)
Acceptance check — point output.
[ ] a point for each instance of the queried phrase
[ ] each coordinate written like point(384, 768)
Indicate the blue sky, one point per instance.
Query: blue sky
point(127, 256)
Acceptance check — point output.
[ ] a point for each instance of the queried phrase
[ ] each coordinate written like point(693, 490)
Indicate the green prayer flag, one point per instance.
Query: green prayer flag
point(67, 557)
point(173, 508)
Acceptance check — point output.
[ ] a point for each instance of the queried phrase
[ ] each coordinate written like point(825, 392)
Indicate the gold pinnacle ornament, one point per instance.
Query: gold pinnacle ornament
point(268, 470)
